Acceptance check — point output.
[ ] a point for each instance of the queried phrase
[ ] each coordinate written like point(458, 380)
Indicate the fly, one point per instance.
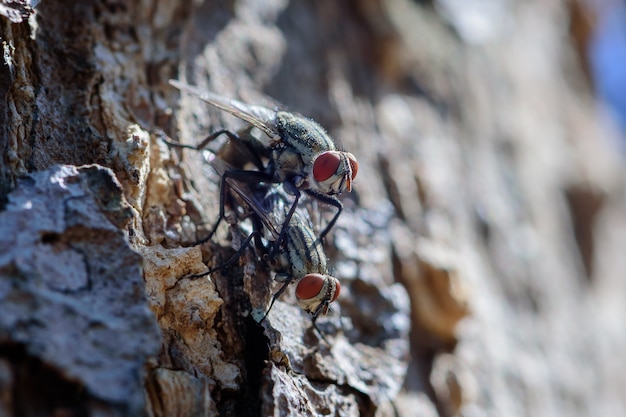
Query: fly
point(294, 254)
point(299, 152)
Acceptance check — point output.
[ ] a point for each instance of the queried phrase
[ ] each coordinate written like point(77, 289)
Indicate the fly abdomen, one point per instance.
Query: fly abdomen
point(305, 250)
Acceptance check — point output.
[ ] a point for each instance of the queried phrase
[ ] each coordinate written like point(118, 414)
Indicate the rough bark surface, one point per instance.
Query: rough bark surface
point(479, 252)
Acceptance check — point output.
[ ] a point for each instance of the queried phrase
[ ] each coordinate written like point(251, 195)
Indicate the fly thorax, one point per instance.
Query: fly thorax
point(304, 136)
point(288, 164)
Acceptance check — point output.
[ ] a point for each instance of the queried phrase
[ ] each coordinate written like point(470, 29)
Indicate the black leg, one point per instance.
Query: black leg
point(221, 212)
point(321, 334)
point(239, 149)
point(331, 200)
point(275, 297)
point(283, 231)
point(200, 146)
point(230, 261)
point(258, 243)
point(239, 175)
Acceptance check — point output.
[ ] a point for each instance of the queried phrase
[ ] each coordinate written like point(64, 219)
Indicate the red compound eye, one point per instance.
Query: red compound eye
point(337, 291)
point(326, 165)
point(354, 165)
point(310, 286)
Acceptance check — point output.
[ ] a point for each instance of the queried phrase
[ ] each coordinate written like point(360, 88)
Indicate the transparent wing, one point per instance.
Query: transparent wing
point(258, 116)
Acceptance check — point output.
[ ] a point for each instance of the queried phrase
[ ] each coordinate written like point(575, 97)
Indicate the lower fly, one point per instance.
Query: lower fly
point(298, 257)
point(294, 252)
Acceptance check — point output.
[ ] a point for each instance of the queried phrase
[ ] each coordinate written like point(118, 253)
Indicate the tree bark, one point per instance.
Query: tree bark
point(479, 252)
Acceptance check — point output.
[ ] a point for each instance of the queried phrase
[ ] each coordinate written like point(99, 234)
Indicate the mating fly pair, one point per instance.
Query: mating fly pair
point(296, 255)
point(299, 154)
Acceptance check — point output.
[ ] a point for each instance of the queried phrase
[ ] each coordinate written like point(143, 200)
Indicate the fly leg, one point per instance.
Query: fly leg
point(330, 200)
point(314, 324)
point(283, 231)
point(238, 175)
point(240, 145)
point(243, 146)
point(200, 146)
point(230, 261)
point(277, 294)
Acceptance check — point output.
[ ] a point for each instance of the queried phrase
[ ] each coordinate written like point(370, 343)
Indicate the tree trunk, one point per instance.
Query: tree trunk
point(479, 252)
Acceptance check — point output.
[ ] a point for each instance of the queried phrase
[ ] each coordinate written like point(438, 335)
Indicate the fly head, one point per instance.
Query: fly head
point(334, 171)
point(315, 292)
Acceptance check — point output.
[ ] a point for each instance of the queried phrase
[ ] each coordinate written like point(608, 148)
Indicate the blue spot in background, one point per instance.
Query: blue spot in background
point(607, 55)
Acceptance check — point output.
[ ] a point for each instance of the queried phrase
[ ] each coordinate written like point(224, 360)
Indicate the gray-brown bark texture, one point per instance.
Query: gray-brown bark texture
point(480, 251)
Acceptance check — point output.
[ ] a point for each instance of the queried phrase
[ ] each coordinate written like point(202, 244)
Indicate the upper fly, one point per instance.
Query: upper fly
point(301, 153)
